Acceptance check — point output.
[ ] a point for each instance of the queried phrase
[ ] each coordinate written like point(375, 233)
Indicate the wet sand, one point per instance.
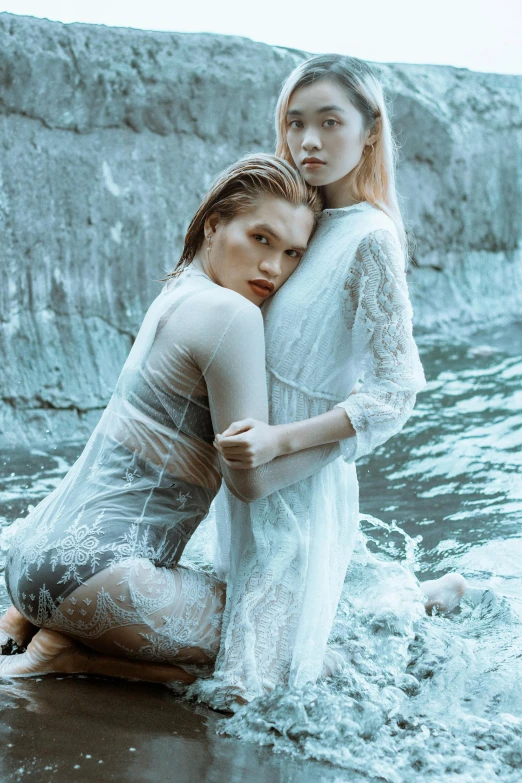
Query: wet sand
point(75, 729)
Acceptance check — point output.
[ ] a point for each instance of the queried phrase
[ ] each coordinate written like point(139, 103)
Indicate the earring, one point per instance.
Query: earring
point(371, 148)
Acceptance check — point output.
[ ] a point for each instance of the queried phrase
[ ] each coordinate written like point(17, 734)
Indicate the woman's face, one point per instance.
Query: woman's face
point(257, 251)
point(326, 138)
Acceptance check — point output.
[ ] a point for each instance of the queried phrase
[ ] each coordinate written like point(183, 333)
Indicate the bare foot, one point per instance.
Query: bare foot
point(50, 652)
point(14, 626)
point(445, 593)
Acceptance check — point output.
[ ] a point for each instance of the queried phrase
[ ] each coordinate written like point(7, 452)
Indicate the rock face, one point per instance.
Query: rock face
point(108, 139)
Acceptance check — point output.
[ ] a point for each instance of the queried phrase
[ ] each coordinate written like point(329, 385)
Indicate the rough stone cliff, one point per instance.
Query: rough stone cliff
point(109, 137)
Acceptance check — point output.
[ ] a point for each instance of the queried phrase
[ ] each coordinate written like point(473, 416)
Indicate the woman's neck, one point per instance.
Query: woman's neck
point(197, 263)
point(200, 263)
point(339, 194)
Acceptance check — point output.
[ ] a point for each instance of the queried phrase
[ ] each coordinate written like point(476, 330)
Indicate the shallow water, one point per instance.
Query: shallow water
point(436, 698)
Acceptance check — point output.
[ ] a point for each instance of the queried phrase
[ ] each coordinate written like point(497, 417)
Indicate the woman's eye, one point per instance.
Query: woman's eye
point(293, 254)
point(295, 124)
point(330, 123)
point(261, 238)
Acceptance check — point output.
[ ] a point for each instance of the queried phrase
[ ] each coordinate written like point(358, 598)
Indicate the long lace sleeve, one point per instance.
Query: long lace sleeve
point(379, 315)
point(236, 383)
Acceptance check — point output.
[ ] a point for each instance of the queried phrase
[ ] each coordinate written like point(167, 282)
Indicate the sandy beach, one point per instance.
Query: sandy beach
point(75, 729)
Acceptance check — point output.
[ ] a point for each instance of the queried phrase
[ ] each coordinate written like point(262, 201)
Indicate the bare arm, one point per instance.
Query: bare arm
point(250, 443)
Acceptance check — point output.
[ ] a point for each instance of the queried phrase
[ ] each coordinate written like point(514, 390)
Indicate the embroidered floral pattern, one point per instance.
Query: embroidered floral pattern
point(78, 547)
point(130, 475)
point(183, 499)
point(95, 470)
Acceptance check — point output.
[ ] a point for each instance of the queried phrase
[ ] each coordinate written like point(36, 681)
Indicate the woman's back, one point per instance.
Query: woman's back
point(149, 471)
point(160, 408)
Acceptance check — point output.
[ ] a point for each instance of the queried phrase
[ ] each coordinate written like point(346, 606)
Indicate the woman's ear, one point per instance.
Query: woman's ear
point(211, 223)
point(375, 132)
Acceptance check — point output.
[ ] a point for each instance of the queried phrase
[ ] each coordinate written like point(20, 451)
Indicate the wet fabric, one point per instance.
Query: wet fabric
point(59, 555)
point(98, 558)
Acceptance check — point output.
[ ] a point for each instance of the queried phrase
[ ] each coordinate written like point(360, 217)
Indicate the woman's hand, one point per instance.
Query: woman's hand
point(249, 443)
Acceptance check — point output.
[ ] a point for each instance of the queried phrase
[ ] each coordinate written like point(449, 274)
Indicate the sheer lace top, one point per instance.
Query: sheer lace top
point(197, 365)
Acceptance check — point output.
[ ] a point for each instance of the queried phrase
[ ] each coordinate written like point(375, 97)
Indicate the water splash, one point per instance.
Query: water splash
point(438, 696)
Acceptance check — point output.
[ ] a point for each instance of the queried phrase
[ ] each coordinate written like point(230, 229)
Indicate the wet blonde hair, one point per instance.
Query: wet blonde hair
point(373, 179)
point(239, 188)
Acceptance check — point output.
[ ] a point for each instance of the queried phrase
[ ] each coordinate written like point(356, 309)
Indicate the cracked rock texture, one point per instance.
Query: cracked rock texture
point(109, 137)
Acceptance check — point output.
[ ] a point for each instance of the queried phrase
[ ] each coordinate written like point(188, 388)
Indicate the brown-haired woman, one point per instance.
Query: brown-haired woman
point(95, 564)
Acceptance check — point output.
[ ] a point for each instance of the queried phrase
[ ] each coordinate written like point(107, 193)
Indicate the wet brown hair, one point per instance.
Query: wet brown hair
point(239, 188)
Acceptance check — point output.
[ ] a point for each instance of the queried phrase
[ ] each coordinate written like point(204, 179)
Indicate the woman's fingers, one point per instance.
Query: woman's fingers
point(230, 441)
point(234, 447)
point(236, 427)
point(235, 442)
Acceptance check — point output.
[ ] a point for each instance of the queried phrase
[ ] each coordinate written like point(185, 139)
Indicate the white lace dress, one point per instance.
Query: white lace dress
point(344, 316)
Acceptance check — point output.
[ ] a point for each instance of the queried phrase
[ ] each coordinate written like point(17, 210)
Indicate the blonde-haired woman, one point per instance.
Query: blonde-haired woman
point(344, 317)
point(95, 564)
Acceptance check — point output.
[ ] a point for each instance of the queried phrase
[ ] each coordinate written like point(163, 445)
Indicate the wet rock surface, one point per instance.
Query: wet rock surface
point(108, 139)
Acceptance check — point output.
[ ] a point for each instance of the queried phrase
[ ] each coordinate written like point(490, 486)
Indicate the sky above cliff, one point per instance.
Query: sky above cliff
point(483, 35)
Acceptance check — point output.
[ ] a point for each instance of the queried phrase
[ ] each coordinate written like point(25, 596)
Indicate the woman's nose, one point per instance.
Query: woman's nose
point(311, 140)
point(271, 265)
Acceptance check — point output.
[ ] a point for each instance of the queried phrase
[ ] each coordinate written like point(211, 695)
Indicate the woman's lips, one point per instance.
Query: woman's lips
point(259, 288)
point(313, 163)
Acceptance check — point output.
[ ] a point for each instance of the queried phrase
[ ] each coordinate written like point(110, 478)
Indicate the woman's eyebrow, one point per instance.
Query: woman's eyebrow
point(322, 110)
point(332, 107)
point(266, 229)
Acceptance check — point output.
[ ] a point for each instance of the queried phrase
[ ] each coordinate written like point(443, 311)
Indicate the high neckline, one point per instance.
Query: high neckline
point(340, 211)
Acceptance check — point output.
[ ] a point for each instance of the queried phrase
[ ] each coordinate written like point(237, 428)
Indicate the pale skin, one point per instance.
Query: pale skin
point(264, 245)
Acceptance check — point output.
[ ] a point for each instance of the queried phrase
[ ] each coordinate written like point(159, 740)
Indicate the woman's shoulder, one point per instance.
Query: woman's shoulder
point(352, 224)
point(226, 301)
point(375, 219)
point(215, 316)
point(379, 232)
point(221, 308)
